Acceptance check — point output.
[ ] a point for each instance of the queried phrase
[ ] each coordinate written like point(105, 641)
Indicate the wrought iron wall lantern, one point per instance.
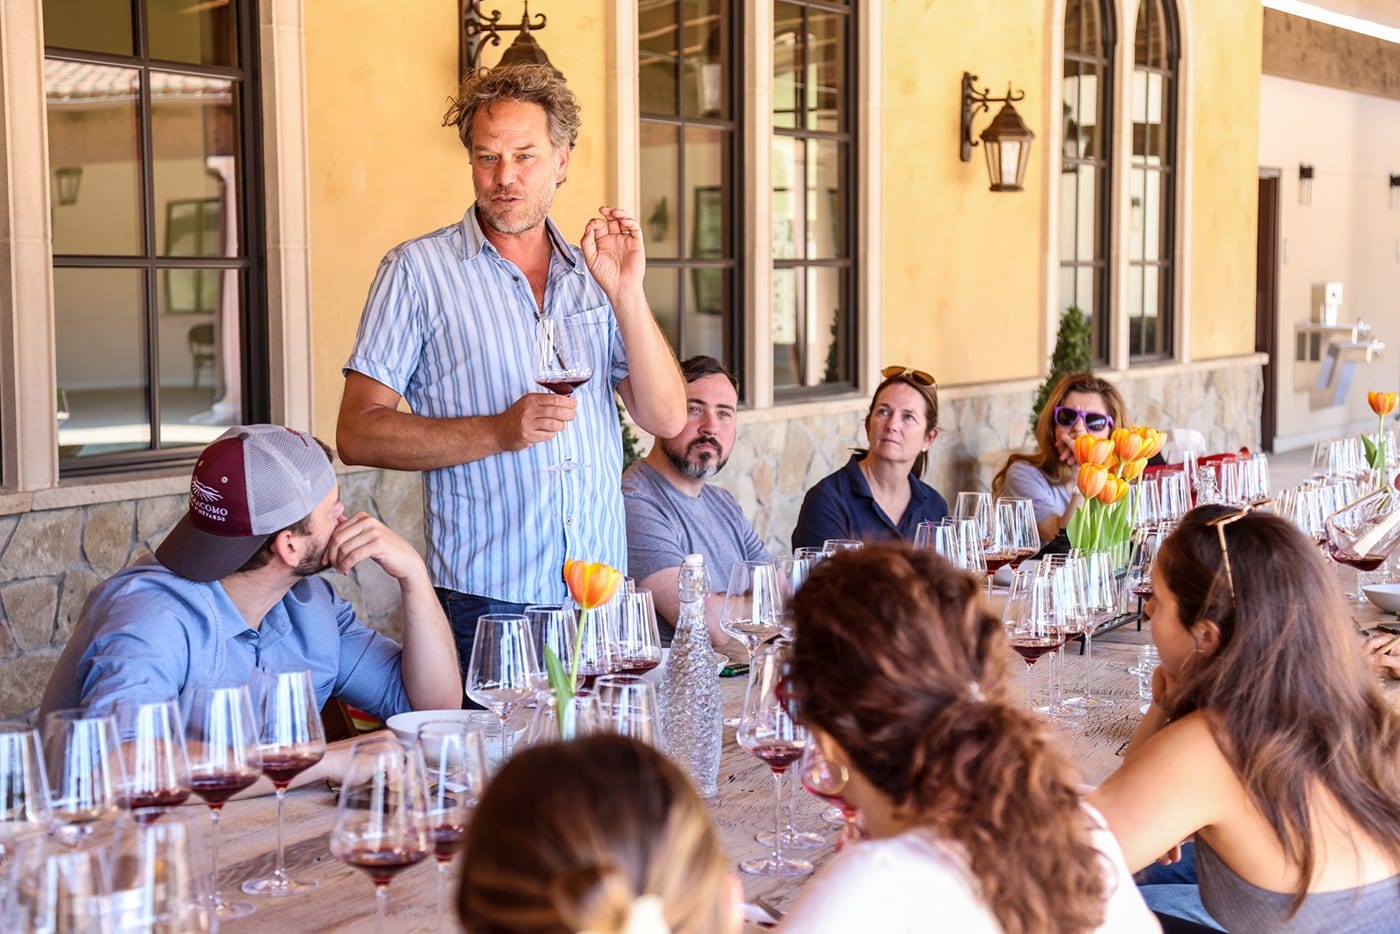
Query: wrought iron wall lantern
point(1007, 138)
point(478, 28)
point(1305, 182)
point(68, 179)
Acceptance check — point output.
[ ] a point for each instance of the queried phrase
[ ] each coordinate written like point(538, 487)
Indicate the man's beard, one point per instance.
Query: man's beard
point(705, 466)
point(314, 562)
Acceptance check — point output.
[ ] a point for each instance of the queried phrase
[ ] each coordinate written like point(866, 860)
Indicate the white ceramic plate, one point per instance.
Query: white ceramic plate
point(405, 725)
point(1385, 596)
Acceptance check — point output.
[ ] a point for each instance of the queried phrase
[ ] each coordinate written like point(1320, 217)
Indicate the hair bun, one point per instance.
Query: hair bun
point(595, 898)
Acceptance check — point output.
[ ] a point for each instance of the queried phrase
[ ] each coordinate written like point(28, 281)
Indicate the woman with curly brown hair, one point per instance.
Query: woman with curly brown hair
point(602, 835)
point(1268, 739)
point(1080, 403)
point(975, 823)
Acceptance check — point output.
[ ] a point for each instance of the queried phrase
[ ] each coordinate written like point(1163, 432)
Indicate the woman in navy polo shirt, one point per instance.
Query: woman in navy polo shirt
point(878, 494)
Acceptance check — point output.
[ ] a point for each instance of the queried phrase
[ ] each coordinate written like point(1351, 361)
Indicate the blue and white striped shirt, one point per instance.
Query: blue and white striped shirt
point(450, 325)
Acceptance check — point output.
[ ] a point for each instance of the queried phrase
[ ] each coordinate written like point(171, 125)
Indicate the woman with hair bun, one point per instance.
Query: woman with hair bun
point(975, 822)
point(600, 835)
point(1268, 741)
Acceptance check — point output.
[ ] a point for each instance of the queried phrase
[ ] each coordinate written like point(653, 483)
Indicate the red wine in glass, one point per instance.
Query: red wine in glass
point(848, 810)
point(383, 865)
point(564, 385)
point(637, 666)
point(778, 756)
point(282, 768)
point(1361, 563)
point(138, 801)
point(1031, 648)
point(447, 839)
point(996, 560)
point(217, 787)
point(1142, 590)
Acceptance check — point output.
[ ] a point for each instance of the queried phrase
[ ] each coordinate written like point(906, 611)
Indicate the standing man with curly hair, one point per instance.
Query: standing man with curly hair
point(449, 327)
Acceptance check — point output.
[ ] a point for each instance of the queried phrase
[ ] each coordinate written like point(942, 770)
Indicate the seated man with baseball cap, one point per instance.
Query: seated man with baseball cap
point(235, 587)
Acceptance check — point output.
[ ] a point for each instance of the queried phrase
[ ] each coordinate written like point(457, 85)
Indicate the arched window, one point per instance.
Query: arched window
point(1086, 163)
point(1152, 183)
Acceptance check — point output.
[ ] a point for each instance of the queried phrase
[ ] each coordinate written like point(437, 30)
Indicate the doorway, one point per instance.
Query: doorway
point(1266, 303)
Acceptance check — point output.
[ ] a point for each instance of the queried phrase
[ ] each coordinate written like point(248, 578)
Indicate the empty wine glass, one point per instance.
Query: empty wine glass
point(793, 571)
point(83, 762)
point(767, 730)
point(554, 627)
point(753, 607)
point(24, 790)
point(1101, 600)
point(562, 364)
point(221, 738)
point(926, 535)
point(381, 820)
point(627, 705)
point(502, 671)
point(977, 506)
point(638, 639)
point(291, 741)
point(454, 757)
point(1067, 602)
point(833, 545)
point(162, 861)
point(155, 765)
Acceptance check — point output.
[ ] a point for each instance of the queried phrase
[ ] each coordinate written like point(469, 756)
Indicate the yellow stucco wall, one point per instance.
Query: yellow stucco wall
point(383, 169)
point(963, 268)
point(1223, 45)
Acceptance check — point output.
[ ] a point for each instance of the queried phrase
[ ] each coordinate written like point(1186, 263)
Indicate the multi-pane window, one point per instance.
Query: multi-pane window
point(150, 109)
point(1086, 163)
point(1152, 208)
point(813, 173)
point(691, 192)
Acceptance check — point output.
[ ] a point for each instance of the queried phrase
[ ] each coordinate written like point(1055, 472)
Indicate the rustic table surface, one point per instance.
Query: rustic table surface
point(344, 900)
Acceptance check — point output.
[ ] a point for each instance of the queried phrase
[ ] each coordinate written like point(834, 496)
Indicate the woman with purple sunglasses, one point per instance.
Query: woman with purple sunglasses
point(1079, 404)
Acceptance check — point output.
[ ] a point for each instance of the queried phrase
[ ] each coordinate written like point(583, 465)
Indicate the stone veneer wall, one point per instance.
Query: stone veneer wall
point(51, 558)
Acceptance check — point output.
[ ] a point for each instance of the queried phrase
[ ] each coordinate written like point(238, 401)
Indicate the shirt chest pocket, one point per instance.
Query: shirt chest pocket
point(588, 335)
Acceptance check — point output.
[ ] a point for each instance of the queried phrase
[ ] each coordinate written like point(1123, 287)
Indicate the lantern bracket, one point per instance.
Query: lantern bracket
point(973, 102)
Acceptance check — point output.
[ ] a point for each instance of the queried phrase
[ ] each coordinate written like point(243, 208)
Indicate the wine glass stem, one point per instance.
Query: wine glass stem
point(280, 873)
point(442, 894)
point(505, 718)
point(381, 901)
point(1088, 656)
point(1029, 704)
point(214, 857)
point(778, 817)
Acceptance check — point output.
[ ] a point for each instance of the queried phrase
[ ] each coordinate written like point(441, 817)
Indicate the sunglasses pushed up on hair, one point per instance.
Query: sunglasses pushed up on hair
point(918, 376)
point(1067, 415)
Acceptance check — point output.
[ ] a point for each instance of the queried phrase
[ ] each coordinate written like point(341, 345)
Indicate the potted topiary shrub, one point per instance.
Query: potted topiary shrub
point(1073, 354)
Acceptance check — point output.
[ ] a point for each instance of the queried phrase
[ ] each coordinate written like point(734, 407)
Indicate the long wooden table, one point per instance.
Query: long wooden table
point(344, 900)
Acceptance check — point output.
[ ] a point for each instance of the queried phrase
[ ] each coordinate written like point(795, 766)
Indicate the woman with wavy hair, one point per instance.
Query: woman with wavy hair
point(975, 822)
point(1268, 739)
point(1079, 404)
point(600, 835)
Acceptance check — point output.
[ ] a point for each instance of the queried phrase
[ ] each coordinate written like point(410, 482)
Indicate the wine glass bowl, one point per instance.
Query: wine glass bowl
point(24, 791)
point(562, 364)
point(753, 609)
point(454, 758)
point(156, 768)
point(291, 740)
point(638, 638)
point(82, 759)
point(382, 818)
point(503, 671)
point(221, 740)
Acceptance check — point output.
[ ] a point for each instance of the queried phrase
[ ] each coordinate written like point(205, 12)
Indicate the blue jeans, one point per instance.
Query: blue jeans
point(1172, 890)
point(463, 610)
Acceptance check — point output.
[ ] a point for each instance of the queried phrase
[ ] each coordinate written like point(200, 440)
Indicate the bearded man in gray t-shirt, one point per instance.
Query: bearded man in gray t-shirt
point(673, 512)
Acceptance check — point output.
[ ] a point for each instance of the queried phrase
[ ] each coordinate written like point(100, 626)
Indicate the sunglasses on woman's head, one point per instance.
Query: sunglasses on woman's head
point(1066, 416)
point(918, 376)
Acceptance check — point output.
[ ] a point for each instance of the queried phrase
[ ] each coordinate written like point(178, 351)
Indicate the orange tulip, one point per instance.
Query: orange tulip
point(1127, 444)
point(1092, 478)
point(1113, 490)
point(1091, 450)
point(591, 583)
point(1133, 469)
point(1152, 441)
point(1383, 403)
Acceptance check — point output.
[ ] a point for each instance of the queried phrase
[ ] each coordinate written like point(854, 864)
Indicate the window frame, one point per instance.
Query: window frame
point(249, 264)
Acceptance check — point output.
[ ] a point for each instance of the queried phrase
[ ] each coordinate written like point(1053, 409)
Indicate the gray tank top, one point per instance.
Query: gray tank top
point(1244, 908)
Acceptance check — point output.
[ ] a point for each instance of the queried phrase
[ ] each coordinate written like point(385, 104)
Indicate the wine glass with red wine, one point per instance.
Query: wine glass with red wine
point(156, 767)
point(455, 758)
point(1362, 534)
point(291, 741)
point(638, 639)
point(768, 731)
point(221, 738)
point(381, 821)
point(826, 780)
point(1028, 619)
point(562, 364)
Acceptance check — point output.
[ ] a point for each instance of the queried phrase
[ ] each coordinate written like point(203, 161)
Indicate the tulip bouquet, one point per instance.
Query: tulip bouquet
point(1382, 403)
point(591, 584)
point(1107, 468)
